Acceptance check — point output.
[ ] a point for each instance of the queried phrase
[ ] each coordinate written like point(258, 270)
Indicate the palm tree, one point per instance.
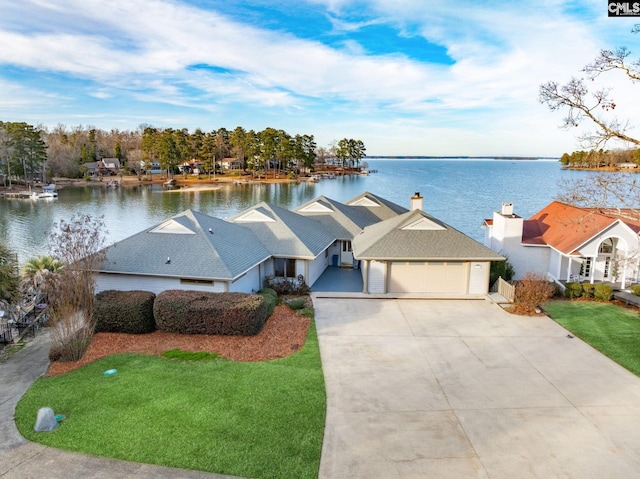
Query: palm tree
point(37, 273)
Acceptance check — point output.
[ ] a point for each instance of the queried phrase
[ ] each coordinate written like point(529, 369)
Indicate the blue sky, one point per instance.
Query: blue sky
point(407, 77)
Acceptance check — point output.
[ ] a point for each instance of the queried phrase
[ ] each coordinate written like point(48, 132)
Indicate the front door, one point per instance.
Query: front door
point(346, 255)
point(604, 262)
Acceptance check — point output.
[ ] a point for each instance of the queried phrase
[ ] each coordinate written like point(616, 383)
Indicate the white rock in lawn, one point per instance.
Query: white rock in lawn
point(46, 420)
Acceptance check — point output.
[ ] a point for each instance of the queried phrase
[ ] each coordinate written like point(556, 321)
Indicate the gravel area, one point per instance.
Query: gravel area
point(284, 333)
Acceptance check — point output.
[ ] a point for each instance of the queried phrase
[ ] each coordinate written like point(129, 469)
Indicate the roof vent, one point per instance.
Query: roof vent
point(507, 208)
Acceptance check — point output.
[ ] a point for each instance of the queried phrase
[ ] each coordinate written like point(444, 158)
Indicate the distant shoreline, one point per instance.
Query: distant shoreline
point(461, 157)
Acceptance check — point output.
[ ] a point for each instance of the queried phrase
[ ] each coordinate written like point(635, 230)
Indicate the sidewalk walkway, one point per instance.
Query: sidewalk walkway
point(20, 458)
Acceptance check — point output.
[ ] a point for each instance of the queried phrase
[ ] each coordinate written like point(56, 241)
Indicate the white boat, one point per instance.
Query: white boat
point(46, 194)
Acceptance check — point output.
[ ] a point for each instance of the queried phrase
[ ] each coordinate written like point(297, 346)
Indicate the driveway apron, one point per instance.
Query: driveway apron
point(462, 389)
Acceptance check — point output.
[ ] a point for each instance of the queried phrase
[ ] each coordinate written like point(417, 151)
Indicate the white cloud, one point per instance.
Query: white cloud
point(143, 50)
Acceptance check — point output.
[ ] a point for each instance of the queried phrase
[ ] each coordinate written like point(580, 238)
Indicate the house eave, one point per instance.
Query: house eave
point(377, 258)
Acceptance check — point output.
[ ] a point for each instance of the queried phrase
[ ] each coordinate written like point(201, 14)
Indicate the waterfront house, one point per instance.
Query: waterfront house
point(231, 164)
point(110, 165)
point(416, 253)
point(568, 243)
point(400, 251)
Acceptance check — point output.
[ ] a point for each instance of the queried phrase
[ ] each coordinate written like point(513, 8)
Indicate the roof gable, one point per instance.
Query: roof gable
point(317, 206)
point(422, 224)
point(171, 226)
point(364, 201)
point(255, 216)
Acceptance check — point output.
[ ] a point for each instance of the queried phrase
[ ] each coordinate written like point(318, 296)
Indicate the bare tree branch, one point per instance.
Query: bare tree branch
point(595, 106)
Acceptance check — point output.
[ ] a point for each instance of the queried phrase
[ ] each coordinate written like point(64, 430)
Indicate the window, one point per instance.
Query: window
point(346, 246)
point(196, 281)
point(586, 270)
point(285, 268)
point(606, 246)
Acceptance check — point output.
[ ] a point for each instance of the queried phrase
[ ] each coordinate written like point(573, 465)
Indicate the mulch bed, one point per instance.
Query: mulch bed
point(284, 333)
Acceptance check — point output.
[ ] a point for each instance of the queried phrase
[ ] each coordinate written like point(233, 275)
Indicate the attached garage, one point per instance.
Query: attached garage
point(414, 253)
point(428, 277)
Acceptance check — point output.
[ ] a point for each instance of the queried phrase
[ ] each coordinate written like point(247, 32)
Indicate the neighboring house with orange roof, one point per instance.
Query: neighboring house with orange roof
point(568, 243)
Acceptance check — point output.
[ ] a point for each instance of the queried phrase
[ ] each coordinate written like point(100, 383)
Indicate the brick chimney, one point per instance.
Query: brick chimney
point(417, 201)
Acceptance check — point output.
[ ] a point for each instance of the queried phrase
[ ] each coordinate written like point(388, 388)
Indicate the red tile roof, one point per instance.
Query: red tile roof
point(566, 228)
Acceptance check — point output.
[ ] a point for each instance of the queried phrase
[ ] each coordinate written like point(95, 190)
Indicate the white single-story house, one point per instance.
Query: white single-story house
point(568, 243)
point(417, 253)
point(398, 250)
point(188, 251)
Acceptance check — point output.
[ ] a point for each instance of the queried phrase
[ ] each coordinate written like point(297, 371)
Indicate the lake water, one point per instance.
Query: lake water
point(459, 192)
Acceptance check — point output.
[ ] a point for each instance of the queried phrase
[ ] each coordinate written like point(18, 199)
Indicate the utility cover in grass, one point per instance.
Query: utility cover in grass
point(46, 420)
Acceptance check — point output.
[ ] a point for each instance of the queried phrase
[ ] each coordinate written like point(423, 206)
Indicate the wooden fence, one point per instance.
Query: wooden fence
point(506, 290)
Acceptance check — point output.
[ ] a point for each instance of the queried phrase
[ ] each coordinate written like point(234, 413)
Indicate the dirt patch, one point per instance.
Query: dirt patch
point(284, 333)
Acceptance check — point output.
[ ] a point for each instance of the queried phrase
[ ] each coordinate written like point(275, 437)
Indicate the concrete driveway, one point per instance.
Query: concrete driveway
point(461, 389)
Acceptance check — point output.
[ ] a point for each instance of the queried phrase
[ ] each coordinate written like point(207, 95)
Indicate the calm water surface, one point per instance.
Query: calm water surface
point(460, 192)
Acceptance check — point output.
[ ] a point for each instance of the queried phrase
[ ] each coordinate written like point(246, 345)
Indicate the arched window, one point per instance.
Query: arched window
point(606, 246)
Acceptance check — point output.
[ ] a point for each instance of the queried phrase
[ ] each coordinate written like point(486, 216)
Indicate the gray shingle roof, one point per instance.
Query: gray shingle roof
point(200, 247)
point(342, 221)
point(416, 235)
point(380, 208)
point(285, 233)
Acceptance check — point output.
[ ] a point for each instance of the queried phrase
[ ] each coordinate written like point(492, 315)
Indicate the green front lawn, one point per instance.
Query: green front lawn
point(259, 420)
point(611, 329)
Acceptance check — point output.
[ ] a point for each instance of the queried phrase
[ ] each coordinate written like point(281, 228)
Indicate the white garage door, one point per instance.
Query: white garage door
point(431, 277)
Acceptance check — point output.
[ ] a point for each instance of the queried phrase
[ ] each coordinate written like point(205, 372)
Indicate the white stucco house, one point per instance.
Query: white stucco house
point(568, 243)
point(397, 250)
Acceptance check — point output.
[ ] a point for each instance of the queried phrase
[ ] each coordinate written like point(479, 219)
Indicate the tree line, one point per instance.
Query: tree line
point(34, 153)
point(599, 158)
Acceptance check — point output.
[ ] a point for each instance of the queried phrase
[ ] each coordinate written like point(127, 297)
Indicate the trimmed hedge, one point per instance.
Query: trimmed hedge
point(124, 312)
point(573, 290)
point(588, 290)
point(271, 298)
point(635, 289)
point(603, 292)
point(197, 312)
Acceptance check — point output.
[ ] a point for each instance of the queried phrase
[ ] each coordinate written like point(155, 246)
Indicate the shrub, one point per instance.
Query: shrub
point(532, 291)
point(72, 350)
point(587, 290)
point(270, 298)
point(603, 292)
point(124, 312)
point(297, 303)
point(635, 289)
point(197, 312)
point(573, 290)
point(502, 269)
point(285, 286)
